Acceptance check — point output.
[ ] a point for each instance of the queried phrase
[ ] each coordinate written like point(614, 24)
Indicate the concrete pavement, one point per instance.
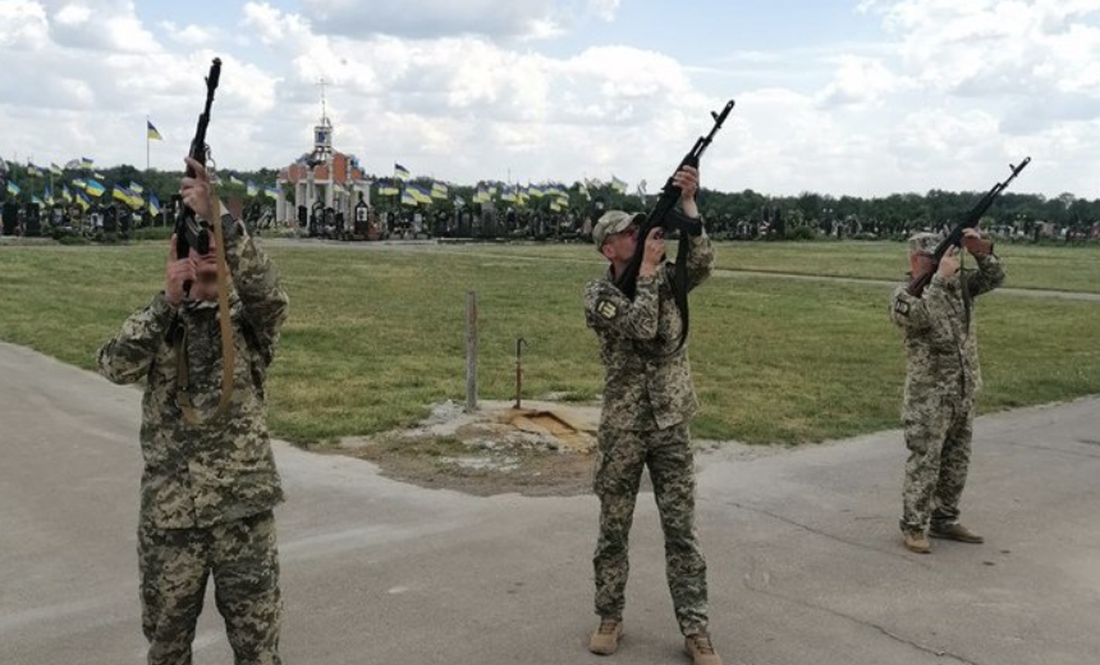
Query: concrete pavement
point(802, 545)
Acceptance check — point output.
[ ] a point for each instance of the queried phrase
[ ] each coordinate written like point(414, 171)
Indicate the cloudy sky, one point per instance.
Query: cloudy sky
point(862, 97)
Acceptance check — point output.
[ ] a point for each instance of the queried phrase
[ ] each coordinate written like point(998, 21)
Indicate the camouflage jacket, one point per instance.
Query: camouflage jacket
point(940, 341)
point(647, 383)
point(199, 476)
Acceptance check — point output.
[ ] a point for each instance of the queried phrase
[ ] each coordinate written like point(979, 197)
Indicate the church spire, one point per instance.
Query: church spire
point(322, 132)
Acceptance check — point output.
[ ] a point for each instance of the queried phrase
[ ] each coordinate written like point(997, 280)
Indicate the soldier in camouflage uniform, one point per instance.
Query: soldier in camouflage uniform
point(943, 376)
point(648, 402)
point(208, 487)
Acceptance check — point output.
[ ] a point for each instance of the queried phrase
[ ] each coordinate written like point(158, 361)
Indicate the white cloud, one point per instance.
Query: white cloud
point(73, 14)
point(192, 35)
point(860, 81)
point(604, 9)
point(423, 19)
point(274, 27)
point(106, 25)
point(987, 48)
point(963, 89)
point(23, 25)
point(428, 18)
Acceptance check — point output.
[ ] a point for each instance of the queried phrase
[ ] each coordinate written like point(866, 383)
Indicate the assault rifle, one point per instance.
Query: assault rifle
point(190, 232)
point(973, 217)
point(664, 216)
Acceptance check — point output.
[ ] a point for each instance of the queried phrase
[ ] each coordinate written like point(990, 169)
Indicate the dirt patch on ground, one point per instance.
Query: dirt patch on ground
point(544, 448)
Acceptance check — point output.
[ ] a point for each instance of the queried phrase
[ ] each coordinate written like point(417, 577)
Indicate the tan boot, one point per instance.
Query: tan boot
point(916, 542)
point(954, 532)
point(605, 640)
point(701, 650)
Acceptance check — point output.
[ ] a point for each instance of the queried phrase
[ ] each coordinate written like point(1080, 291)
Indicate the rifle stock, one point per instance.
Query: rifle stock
point(973, 217)
point(661, 217)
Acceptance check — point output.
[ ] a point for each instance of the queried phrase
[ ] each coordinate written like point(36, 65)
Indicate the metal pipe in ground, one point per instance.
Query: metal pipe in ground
point(471, 351)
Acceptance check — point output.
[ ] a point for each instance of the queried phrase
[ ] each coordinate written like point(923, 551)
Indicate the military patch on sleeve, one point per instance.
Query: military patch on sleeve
point(607, 309)
point(901, 307)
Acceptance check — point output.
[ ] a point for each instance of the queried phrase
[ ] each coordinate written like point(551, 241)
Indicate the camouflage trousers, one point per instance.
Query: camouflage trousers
point(242, 558)
point(667, 453)
point(938, 440)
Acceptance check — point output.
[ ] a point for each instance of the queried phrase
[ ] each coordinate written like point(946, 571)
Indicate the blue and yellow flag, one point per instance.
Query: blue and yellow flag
point(235, 179)
point(407, 198)
point(13, 189)
point(421, 195)
point(66, 194)
point(253, 188)
point(400, 172)
point(55, 169)
point(439, 190)
point(94, 188)
point(86, 163)
point(481, 195)
point(152, 133)
point(33, 171)
point(272, 191)
point(136, 188)
point(82, 200)
point(128, 197)
point(154, 203)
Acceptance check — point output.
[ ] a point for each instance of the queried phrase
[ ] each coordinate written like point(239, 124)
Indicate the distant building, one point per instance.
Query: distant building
point(322, 179)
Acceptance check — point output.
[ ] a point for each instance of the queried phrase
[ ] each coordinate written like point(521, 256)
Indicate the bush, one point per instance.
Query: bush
point(801, 233)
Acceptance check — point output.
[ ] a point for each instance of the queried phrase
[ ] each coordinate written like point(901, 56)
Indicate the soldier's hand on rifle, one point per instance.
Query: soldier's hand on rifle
point(654, 252)
point(196, 190)
point(949, 264)
point(975, 243)
point(687, 179)
point(176, 272)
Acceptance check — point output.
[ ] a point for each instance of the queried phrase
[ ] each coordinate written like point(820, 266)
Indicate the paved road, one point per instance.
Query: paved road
point(805, 565)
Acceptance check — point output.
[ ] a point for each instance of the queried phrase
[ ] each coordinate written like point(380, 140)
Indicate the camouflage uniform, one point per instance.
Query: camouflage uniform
point(207, 491)
point(648, 400)
point(943, 376)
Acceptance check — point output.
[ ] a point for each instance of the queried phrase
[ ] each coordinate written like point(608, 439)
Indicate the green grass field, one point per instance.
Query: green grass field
point(377, 335)
point(1032, 267)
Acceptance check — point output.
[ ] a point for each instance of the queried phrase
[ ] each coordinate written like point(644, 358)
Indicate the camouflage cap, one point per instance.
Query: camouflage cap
point(610, 223)
point(923, 243)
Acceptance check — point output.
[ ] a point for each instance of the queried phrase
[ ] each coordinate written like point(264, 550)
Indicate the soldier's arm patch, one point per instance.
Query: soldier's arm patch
point(901, 307)
point(607, 309)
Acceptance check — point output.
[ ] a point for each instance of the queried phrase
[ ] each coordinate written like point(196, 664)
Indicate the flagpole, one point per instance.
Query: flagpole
point(146, 144)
